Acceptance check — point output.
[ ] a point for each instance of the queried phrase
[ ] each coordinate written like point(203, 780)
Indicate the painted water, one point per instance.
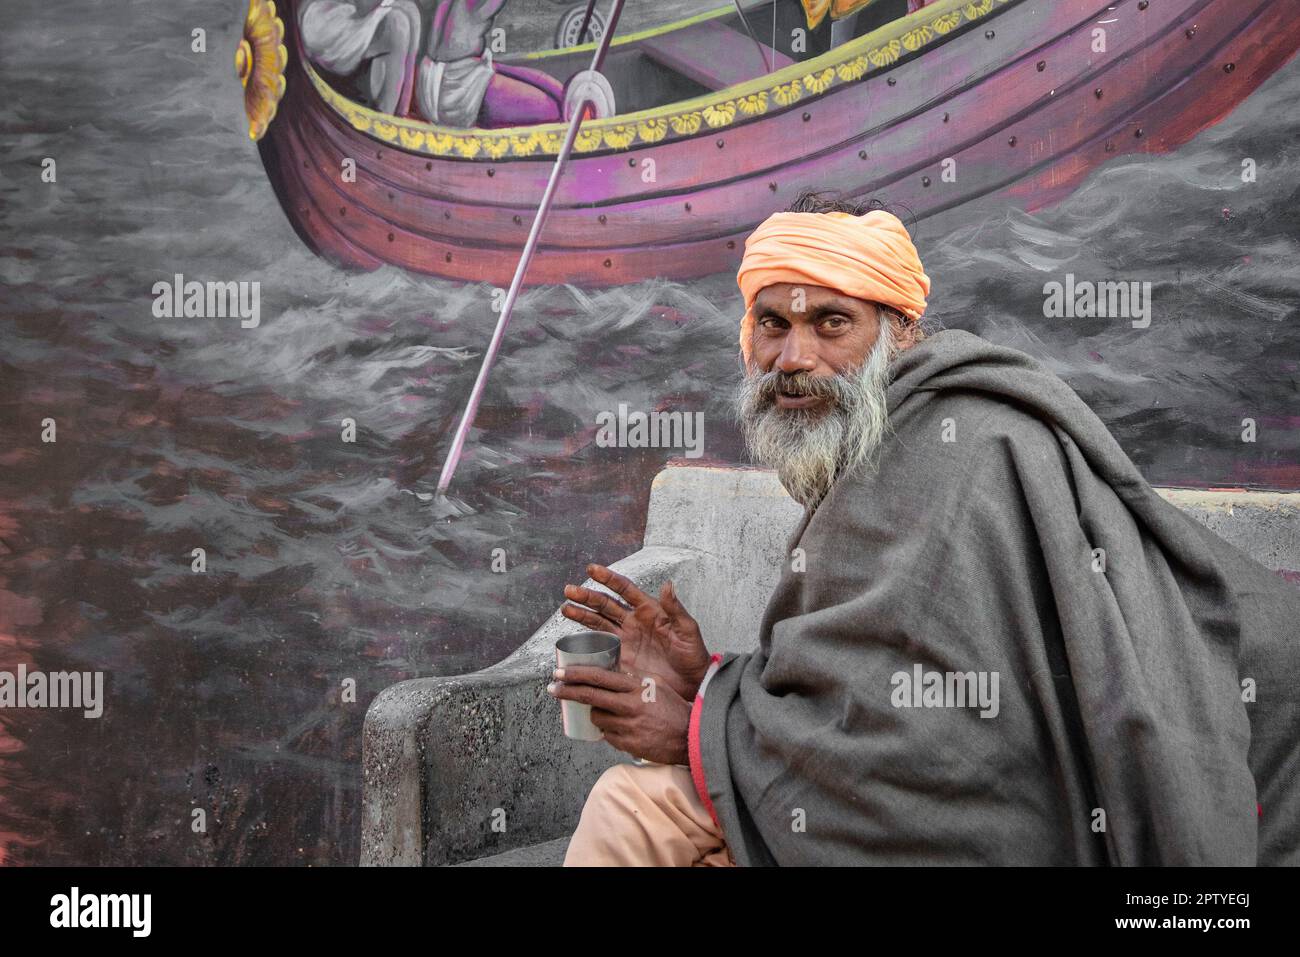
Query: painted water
point(330, 561)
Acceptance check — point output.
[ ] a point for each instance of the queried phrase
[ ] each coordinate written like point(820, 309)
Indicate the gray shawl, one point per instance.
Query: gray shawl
point(1120, 736)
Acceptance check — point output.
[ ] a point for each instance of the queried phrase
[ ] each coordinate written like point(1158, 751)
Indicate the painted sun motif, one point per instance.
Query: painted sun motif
point(260, 61)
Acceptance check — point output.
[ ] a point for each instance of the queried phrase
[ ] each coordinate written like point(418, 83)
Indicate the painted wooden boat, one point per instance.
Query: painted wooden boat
point(960, 100)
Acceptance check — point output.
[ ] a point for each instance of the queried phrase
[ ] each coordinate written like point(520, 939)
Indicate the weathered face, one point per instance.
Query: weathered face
point(812, 402)
point(811, 329)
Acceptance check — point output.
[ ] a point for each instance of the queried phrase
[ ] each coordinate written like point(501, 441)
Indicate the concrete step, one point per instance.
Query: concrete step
point(550, 854)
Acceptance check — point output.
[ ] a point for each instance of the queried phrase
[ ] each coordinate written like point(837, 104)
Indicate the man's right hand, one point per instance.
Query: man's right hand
point(657, 635)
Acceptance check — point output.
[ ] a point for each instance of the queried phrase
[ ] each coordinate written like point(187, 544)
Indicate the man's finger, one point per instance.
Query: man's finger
point(619, 584)
point(668, 599)
point(616, 739)
point(611, 701)
point(613, 725)
point(597, 677)
point(597, 601)
point(585, 616)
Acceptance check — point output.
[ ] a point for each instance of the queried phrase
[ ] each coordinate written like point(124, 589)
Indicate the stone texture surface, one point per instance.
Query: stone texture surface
point(549, 854)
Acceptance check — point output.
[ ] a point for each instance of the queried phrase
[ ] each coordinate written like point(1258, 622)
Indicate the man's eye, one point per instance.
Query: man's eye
point(835, 322)
point(771, 322)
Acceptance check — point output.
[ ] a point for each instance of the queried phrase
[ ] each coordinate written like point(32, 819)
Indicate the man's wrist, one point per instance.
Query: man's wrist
point(696, 678)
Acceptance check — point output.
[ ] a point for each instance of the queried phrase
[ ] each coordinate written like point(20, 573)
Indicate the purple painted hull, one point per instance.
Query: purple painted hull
point(1018, 106)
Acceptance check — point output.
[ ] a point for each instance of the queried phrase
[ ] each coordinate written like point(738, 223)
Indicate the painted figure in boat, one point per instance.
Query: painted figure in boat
point(458, 84)
point(343, 37)
point(454, 83)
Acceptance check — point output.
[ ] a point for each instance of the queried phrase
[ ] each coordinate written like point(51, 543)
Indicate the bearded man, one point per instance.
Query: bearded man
point(994, 643)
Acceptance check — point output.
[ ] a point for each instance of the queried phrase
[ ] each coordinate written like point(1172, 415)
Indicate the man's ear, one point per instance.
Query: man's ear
point(905, 330)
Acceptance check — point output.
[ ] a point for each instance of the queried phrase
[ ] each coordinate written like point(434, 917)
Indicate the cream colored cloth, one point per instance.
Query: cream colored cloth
point(646, 815)
point(451, 94)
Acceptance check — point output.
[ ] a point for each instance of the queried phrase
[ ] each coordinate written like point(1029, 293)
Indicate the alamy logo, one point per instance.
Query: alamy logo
point(653, 430)
point(946, 689)
point(59, 689)
point(1101, 300)
point(179, 299)
point(102, 910)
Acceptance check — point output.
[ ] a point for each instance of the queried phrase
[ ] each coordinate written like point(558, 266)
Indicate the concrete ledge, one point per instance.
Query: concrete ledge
point(550, 854)
point(1264, 525)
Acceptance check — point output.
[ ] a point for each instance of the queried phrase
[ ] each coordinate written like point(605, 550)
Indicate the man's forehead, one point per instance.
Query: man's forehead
point(780, 295)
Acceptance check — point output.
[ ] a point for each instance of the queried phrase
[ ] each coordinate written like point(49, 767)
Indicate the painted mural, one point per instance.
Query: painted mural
point(254, 256)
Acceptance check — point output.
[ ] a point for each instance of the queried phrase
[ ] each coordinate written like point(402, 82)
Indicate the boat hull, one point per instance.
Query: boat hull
point(1018, 104)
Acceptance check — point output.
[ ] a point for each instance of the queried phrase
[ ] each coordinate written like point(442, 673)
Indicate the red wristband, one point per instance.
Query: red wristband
point(693, 740)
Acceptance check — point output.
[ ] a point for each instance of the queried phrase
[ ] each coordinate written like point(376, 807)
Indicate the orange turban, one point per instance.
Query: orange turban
point(867, 257)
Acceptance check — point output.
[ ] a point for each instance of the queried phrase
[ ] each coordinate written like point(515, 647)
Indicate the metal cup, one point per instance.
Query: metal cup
point(597, 649)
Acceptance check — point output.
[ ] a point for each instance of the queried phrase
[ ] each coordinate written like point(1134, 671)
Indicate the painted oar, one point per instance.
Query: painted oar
point(762, 51)
point(476, 395)
point(586, 21)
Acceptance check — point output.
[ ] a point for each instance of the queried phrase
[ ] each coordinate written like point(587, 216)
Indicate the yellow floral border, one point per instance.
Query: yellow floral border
point(841, 65)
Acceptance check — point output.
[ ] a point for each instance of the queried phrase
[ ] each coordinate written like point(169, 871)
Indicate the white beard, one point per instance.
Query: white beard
point(810, 449)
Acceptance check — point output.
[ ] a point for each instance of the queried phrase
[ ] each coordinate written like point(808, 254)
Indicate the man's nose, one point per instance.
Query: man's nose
point(798, 352)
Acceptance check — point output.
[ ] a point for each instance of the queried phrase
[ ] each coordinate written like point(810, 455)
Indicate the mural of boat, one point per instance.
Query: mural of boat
point(957, 101)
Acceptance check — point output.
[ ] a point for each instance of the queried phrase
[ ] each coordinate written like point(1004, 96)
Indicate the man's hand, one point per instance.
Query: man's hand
point(657, 636)
point(640, 715)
